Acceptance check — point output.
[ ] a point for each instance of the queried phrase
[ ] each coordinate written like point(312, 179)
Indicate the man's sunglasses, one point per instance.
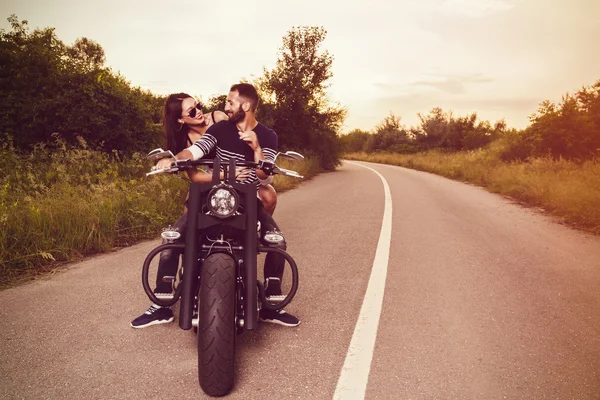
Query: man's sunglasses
point(192, 112)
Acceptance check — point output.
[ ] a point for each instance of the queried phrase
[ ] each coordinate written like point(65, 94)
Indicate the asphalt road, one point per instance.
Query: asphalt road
point(484, 299)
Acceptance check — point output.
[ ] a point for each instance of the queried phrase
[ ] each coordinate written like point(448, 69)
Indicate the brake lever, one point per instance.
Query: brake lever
point(156, 171)
point(176, 166)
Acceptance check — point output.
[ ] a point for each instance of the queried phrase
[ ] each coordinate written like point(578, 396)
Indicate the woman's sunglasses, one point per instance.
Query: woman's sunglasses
point(192, 112)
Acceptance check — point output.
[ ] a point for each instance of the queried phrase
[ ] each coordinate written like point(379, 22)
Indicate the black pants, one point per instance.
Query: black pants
point(169, 259)
point(274, 263)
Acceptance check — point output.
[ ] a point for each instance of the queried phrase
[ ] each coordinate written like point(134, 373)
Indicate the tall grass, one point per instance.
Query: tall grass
point(308, 168)
point(59, 204)
point(567, 189)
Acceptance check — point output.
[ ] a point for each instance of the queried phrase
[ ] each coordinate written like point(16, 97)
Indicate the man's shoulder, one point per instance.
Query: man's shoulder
point(221, 126)
point(264, 130)
point(266, 137)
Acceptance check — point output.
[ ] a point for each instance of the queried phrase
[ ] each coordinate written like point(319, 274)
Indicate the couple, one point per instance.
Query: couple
point(233, 134)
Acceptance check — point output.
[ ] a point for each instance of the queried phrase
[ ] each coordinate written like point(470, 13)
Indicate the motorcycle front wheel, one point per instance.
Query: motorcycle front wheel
point(216, 325)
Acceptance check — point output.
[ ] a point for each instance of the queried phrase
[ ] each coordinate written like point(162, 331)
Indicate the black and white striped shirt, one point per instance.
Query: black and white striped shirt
point(224, 139)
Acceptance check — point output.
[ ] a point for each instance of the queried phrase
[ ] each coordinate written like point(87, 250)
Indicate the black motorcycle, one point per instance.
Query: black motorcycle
point(217, 288)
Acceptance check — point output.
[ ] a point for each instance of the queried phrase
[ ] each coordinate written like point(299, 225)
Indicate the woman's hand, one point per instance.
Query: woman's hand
point(242, 173)
point(165, 163)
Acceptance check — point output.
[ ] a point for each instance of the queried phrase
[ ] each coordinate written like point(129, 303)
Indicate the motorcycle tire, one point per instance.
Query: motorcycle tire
point(216, 325)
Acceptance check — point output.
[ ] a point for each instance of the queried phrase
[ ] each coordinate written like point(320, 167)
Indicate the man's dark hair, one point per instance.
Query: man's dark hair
point(248, 92)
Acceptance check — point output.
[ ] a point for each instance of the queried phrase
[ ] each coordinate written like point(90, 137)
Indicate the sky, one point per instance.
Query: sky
point(498, 58)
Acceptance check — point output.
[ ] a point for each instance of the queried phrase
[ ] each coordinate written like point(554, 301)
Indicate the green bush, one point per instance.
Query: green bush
point(60, 202)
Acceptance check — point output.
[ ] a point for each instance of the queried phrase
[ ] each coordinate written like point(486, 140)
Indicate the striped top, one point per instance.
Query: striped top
point(223, 137)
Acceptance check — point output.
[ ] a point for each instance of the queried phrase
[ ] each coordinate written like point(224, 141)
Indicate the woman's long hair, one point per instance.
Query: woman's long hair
point(176, 132)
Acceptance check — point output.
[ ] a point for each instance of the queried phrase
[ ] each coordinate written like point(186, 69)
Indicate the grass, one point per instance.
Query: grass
point(60, 204)
point(308, 168)
point(567, 189)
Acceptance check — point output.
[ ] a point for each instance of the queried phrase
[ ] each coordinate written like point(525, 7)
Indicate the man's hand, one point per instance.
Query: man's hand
point(250, 138)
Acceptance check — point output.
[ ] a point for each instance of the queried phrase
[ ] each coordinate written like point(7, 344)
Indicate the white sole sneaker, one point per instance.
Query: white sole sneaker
point(155, 322)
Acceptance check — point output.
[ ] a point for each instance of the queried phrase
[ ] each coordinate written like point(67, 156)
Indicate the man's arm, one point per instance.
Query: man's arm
point(267, 151)
point(269, 145)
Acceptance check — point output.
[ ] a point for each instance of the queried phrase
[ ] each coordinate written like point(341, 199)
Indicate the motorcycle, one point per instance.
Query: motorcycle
point(217, 288)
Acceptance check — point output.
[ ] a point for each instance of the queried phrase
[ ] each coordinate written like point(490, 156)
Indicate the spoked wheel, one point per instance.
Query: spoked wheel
point(216, 325)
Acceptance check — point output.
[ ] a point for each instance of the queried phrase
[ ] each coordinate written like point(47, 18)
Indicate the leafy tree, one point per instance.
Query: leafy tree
point(571, 129)
point(86, 54)
point(389, 135)
point(215, 103)
point(390, 123)
point(354, 141)
point(433, 128)
point(466, 133)
point(295, 99)
point(48, 88)
point(442, 130)
point(513, 145)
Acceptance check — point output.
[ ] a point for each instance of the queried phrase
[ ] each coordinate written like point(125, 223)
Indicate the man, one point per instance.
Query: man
point(243, 137)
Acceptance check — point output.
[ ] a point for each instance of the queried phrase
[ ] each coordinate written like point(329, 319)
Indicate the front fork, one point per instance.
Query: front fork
point(240, 320)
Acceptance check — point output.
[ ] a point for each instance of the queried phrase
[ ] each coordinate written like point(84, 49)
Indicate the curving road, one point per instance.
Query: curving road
point(483, 299)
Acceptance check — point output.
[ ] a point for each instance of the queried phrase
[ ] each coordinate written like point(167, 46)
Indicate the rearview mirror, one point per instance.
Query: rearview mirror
point(291, 155)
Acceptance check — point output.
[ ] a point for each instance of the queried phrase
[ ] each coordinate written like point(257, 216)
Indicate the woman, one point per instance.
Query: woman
point(184, 124)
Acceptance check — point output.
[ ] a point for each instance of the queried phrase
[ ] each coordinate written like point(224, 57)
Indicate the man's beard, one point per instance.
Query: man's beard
point(238, 116)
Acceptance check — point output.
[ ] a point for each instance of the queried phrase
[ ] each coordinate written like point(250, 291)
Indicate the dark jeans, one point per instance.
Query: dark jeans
point(274, 263)
point(169, 259)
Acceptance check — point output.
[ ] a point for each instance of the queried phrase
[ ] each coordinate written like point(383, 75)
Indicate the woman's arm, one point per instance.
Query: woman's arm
point(215, 116)
point(219, 116)
point(241, 173)
point(199, 176)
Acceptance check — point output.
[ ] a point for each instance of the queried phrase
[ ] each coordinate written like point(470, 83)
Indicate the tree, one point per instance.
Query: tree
point(295, 99)
point(433, 128)
point(442, 130)
point(47, 88)
point(215, 103)
point(354, 141)
point(390, 123)
point(570, 129)
point(389, 135)
point(86, 54)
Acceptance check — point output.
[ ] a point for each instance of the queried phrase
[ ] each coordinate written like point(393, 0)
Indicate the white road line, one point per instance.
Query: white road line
point(352, 383)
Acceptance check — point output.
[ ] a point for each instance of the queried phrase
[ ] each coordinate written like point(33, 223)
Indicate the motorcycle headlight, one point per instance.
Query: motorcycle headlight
point(170, 234)
point(273, 237)
point(223, 201)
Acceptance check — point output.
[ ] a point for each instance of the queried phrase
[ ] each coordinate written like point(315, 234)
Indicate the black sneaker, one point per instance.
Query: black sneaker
point(272, 286)
point(154, 315)
point(278, 317)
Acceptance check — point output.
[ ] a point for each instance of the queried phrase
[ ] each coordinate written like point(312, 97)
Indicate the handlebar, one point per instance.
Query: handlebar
point(268, 167)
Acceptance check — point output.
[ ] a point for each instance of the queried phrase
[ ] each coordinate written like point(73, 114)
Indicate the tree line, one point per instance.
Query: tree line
point(49, 89)
point(569, 130)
